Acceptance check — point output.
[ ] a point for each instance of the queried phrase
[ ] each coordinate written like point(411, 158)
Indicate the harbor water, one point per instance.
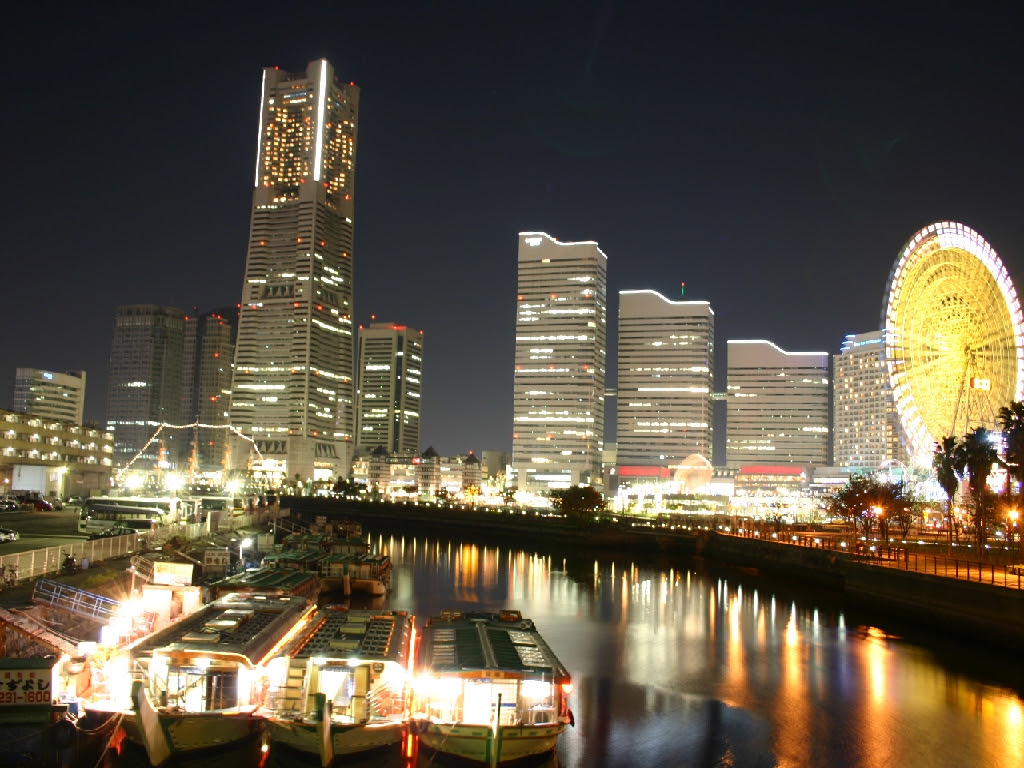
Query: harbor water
point(677, 665)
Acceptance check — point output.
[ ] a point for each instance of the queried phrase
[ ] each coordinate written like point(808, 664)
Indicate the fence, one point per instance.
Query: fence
point(41, 562)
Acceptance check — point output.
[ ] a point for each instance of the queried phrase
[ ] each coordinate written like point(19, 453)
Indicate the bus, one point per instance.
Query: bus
point(99, 516)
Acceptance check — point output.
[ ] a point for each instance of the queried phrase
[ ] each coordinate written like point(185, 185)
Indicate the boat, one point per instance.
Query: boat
point(339, 686)
point(44, 722)
point(202, 677)
point(269, 581)
point(362, 574)
point(487, 688)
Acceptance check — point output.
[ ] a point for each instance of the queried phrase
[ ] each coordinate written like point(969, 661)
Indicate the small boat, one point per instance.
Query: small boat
point(203, 674)
point(362, 574)
point(269, 581)
point(43, 720)
point(339, 686)
point(487, 688)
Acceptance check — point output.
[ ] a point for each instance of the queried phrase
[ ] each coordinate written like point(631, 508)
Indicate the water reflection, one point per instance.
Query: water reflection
point(675, 665)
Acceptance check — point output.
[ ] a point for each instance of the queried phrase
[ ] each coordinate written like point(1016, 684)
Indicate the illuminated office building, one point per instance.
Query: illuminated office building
point(865, 427)
point(206, 387)
point(665, 380)
point(777, 405)
point(293, 389)
point(558, 409)
point(144, 383)
point(49, 394)
point(390, 386)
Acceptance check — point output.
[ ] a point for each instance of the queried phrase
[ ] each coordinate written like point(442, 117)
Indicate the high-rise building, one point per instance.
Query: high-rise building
point(144, 382)
point(206, 387)
point(390, 387)
point(50, 394)
point(778, 405)
point(865, 427)
point(561, 319)
point(665, 381)
point(293, 389)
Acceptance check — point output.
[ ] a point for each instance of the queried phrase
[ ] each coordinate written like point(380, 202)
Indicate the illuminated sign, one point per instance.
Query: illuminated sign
point(983, 384)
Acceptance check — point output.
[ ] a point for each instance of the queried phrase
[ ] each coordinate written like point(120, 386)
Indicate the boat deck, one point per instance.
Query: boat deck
point(457, 642)
point(360, 634)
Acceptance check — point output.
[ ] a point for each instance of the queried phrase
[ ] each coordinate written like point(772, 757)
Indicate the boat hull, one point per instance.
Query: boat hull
point(345, 739)
point(475, 743)
point(166, 733)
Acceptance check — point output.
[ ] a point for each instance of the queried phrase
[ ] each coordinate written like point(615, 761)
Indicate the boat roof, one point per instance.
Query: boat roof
point(457, 643)
point(243, 625)
point(357, 557)
point(266, 580)
point(296, 556)
point(335, 633)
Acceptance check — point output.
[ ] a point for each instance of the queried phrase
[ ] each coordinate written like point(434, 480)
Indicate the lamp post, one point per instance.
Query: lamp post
point(243, 544)
point(1012, 515)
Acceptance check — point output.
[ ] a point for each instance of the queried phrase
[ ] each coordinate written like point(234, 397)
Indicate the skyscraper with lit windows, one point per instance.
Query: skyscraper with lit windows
point(561, 318)
point(778, 405)
point(292, 390)
point(865, 427)
point(666, 375)
point(390, 385)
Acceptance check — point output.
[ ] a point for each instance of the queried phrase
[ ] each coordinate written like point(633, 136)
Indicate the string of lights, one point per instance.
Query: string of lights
point(193, 425)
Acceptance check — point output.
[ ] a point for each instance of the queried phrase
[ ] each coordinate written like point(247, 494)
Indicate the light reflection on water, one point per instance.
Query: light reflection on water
point(680, 667)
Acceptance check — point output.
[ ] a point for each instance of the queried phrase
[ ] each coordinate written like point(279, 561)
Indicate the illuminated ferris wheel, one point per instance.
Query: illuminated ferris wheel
point(953, 336)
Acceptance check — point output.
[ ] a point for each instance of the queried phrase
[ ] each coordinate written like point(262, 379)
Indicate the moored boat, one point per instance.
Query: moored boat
point(487, 688)
point(339, 686)
point(43, 721)
point(203, 675)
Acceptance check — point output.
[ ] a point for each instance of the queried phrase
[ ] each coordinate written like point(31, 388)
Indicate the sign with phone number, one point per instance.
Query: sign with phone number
point(25, 687)
point(24, 697)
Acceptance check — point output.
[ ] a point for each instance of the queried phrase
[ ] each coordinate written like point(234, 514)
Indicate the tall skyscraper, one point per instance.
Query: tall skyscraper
point(390, 386)
point(144, 382)
point(206, 387)
point(778, 405)
point(561, 319)
point(293, 389)
point(665, 381)
point(50, 394)
point(865, 427)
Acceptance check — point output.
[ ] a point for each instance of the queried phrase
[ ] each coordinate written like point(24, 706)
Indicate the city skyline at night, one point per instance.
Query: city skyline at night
point(775, 161)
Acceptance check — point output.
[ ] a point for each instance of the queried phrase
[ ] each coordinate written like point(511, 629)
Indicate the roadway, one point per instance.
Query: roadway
point(40, 529)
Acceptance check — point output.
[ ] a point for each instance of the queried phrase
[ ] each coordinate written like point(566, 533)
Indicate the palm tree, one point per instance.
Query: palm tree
point(947, 472)
point(1011, 421)
point(977, 455)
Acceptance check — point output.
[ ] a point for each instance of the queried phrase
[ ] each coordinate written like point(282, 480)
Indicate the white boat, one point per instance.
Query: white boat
point(203, 675)
point(487, 688)
point(339, 686)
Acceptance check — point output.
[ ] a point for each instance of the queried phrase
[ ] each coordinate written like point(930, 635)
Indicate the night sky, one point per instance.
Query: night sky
point(774, 158)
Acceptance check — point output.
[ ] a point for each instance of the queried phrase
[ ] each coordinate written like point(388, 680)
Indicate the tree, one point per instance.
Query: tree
point(906, 508)
point(864, 500)
point(976, 454)
point(579, 502)
point(948, 470)
point(1011, 422)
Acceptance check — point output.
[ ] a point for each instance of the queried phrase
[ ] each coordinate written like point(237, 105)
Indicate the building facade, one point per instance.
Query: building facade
point(665, 379)
point(206, 388)
point(390, 387)
point(144, 383)
point(865, 426)
point(53, 458)
point(560, 361)
point(778, 405)
point(293, 389)
point(49, 394)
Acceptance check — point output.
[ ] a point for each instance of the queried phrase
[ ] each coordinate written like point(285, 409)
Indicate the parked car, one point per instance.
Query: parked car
point(8, 504)
point(6, 534)
point(40, 505)
point(55, 502)
point(75, 501)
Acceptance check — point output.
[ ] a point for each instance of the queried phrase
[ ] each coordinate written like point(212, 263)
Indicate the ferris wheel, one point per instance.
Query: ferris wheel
point(953, 336)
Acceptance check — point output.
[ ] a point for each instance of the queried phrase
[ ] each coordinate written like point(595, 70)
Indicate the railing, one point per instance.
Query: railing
point(897, 556)
point(49, 560)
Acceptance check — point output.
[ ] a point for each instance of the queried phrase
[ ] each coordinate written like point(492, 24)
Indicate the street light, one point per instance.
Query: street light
point(243, 544)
